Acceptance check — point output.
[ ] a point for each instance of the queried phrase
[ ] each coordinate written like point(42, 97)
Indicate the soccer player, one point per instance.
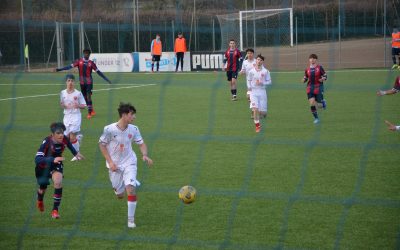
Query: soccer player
point(258, 78)
point(72, 101)
point(392, 127)
point(180, 49)
point(394, 90)
point(156, 52)
point(315, 76)
point(116, 146)
point(86, 67)
point(232, 59)
point(247, 65)
point(396, 48)
point(49, 164)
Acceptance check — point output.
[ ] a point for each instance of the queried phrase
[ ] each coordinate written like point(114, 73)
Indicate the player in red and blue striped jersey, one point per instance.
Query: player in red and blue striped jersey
point(85, 67)
point(49, 164)
point(315, 76)
point(232, 60)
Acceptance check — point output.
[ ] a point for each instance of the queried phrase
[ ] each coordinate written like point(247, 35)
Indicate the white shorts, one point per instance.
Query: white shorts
point(72, 123)
point(258, 100)
point(123, 177)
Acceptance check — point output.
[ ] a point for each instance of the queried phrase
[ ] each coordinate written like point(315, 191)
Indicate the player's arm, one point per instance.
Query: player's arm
point(305, 77)
point(387, 92)
point(324, 76)
point(103, 76)
point(268, 80)
point(82, 103)
point(66, 67)
point(105, 138)
point(145, 157)
point(151, 47)
point(243, 70)
point(71, 148)
point(392, 126)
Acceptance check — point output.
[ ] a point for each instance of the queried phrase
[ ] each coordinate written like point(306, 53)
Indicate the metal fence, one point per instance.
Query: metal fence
point(202, 33)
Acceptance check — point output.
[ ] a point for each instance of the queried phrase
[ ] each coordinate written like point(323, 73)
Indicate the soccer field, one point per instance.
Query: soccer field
point(295, 185)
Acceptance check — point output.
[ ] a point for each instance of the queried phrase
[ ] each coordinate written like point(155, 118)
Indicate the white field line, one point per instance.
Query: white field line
point(96, 90)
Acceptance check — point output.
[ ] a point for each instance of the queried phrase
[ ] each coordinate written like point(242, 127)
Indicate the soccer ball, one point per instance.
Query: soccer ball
point(187, 194)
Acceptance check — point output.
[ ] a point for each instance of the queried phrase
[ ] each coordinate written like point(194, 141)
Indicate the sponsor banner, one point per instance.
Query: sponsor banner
point(205, 61)
point(113, 62)
point(167, 62)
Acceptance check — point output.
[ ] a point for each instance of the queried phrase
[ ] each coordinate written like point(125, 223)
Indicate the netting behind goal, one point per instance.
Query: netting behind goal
point(258, 28)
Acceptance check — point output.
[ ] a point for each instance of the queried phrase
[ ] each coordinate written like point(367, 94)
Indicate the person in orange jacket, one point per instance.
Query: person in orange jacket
point(395, 48)
point(180, 49)
point(156, 52)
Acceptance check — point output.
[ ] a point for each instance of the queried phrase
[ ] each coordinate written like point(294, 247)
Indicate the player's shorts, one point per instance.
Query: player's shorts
point(259, 101)
point(86, 89)
point(72, 123)
point(395, 51)
point(156, 58)
point(231, 74)
point(44, 174)
point(318, 97)
point(123, 177)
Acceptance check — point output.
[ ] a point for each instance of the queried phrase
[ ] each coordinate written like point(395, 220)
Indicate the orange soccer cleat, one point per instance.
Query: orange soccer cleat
point(54, 214)
point(40, 206)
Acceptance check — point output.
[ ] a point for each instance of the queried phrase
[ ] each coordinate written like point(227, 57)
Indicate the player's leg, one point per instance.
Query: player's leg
point(57, 182)
point(395, 65)
point(152, 63)
point(158, 62)
point(263, 107)
point(42, 177)
point(313, 108)
point(182, 56)
point(130, 186)
point(233, 86)
point(178, 58)
point(256, 115)
point(117, 183)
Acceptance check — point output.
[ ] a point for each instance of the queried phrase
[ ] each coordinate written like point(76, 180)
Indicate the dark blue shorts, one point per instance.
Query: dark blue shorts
point(44, 174)
point(231, 74)
point(156, 58)
point(318, 97)
point(396, 51)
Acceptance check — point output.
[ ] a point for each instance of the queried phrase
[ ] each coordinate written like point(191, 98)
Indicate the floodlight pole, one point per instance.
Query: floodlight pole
point(384, 32)
point(72, 30)
point(23, 33)
point(254, 24)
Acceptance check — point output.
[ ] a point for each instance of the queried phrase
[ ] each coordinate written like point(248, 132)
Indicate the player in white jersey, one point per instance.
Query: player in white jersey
point(258, 78)
point(72, 101)
point(248, 65)
point(116, 146)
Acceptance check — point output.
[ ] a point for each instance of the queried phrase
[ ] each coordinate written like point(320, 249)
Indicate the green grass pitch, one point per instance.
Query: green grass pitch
point(292, 186)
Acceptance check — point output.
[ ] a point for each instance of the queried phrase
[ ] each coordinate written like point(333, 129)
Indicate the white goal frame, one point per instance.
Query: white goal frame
point(265, 10)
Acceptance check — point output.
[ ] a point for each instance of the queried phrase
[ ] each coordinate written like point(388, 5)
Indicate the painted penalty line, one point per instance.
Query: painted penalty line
point(96, 90)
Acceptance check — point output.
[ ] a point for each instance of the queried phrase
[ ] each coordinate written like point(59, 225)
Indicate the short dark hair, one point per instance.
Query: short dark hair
point(180, 33)
point(250, 50)
point(87, 51)
point(260, 56)
point(125, 108)
point(69, 76)
point(232, 40)
point(313, 56)
point(56, 126)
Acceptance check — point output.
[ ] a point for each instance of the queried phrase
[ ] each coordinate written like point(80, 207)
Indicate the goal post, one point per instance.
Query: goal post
point(268, 27)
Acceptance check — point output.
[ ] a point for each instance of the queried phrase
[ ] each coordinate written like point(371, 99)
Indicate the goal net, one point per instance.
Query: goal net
point(261, 28)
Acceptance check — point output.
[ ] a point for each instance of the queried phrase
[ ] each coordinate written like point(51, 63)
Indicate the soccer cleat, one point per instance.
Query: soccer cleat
point(395, 66)
point(324, 104)
point(131, 224)
point(93, 113)
point(258, 128)
point(89, 116)
point(234, 98)
point(74, 159)
point(54, 214)
point(40, 206)
point(316, 121)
